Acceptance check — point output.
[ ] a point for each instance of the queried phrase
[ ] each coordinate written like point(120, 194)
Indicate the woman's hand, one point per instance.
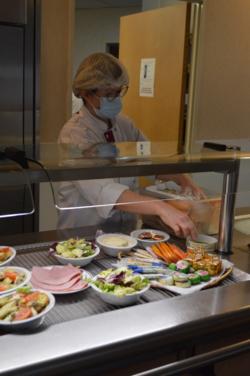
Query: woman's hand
point(188, 187)
point(178, 221)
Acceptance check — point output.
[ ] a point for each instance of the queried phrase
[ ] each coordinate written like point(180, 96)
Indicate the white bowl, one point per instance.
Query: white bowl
point(10, 258)
point(123, 301)
point(32, 322)
point(204, 242)
point(114, 250)
point(18, 270)
point(147, 243)
point(76, 261)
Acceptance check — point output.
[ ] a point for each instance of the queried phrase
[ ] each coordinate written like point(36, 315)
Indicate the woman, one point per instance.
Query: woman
point(101, 81)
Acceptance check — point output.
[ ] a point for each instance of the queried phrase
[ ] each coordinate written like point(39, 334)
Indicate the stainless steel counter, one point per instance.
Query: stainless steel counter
point(101, 340)
point(83, 333)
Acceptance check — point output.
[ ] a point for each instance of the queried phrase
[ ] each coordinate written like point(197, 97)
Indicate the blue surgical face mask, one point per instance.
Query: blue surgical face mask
point(108, 109)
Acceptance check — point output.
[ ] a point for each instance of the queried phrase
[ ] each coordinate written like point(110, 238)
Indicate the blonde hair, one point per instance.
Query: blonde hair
point(98, 71)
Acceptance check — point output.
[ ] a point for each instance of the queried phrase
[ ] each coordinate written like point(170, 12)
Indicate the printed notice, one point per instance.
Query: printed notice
point(143, 147)
point(147, 77)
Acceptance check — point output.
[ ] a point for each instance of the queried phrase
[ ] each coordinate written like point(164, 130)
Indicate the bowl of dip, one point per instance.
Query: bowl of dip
point(112, 244)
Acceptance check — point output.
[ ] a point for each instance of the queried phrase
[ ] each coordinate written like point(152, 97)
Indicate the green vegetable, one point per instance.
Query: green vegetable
point(119, 282)
point(24, 289)
point(74, 248)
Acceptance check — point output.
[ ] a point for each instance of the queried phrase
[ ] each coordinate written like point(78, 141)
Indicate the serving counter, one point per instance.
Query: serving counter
point(180, 333)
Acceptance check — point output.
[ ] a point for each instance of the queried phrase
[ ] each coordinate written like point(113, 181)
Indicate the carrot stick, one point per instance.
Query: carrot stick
point(167, 252)
point(174, 257)
point(157, 251)
point(178, 251)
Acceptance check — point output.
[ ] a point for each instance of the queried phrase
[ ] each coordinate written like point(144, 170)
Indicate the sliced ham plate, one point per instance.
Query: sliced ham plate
point(59, 279)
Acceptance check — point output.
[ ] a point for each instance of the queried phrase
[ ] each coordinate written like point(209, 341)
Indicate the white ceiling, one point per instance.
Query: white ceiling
point(87, 4)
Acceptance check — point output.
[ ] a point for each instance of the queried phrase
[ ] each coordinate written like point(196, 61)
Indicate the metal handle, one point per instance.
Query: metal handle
point(219, 147)
point(199, 361)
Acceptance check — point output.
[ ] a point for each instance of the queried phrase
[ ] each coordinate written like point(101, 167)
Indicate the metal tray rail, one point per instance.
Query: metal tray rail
point(86, 303)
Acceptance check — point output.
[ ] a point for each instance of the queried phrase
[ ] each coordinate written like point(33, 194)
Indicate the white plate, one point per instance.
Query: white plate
point(10, 258)
point(18, 270)
point(32, 322)
point(84, 275)
point(189, 290)
point(147, 243)
point(126, 300)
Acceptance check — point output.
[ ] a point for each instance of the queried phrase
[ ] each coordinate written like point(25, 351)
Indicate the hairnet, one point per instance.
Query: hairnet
point(98, 71)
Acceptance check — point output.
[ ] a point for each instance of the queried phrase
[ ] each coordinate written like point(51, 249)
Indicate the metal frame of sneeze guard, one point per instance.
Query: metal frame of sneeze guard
point(23, 180)
point(76, 167)
point(230, 182)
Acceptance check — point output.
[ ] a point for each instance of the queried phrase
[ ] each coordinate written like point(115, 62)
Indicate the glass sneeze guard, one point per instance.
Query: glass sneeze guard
point(70, 163)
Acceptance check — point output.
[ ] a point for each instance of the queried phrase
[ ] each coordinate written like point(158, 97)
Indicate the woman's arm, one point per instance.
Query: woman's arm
point(134, 203)
point(187, 184)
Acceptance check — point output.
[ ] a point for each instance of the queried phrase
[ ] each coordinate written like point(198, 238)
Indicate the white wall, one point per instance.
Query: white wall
point(96, 27)
point(153, 4)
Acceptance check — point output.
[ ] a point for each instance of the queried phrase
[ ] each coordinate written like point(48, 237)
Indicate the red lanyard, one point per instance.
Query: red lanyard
point(109, 136)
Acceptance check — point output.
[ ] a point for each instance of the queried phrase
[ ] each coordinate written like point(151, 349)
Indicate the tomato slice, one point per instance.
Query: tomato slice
point(23, 314)
point(6, 249)
point(11, 275)
point(32, 296)
point(3, 287)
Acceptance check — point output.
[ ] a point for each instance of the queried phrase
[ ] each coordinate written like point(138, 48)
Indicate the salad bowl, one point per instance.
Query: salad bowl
point(77, 252)
point(121, 295)
point(8, 254)
point(30, 322)
point(22, 278)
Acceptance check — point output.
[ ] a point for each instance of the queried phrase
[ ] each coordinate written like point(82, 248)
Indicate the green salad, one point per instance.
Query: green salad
point(119, 282)
point(73, 248)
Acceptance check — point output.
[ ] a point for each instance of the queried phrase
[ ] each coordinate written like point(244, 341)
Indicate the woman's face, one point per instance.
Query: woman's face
point(92, 99)
point(109, 93)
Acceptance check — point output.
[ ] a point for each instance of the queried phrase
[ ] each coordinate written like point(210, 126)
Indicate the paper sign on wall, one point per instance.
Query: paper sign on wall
point(147, 77)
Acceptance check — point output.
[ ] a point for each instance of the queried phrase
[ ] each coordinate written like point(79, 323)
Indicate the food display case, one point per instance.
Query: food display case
point(164, 332)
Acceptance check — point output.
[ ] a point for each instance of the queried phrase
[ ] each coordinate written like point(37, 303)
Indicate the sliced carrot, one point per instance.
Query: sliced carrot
point(172, 254)
point(178, 251)
point(165, 255)
point(157, 251)
point(167, 252)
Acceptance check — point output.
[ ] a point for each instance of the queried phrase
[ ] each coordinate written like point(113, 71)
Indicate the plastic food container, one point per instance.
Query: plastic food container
point(203, 242)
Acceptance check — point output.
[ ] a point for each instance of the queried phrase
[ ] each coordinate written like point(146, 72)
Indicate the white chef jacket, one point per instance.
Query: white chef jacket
point(84, 130)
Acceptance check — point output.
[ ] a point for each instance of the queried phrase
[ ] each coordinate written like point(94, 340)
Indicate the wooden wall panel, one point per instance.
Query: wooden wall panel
point(57, 32)
point(222, 109)
point(161, 34)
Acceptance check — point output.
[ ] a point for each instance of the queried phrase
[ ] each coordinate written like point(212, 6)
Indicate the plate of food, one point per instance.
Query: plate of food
point(24, 308)
point(185, 276)
point(120, 286)
point(59, 279)
point(13, 277)
point(76, 251)
point(6, 255)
